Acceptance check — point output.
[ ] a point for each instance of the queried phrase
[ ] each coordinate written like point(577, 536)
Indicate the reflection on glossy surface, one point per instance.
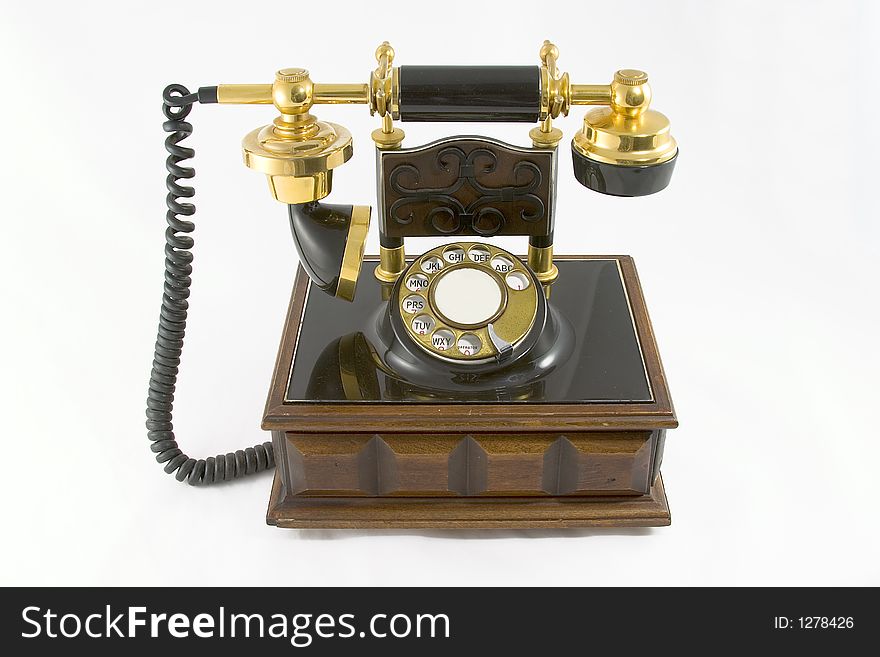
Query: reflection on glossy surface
point(617, 180)
point(588, 352)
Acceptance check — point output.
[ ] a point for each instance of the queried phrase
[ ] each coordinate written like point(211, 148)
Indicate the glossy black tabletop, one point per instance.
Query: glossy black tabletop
point(605, 366)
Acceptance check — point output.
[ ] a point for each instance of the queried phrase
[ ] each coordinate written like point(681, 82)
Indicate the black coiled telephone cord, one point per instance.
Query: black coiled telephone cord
point(178, 102)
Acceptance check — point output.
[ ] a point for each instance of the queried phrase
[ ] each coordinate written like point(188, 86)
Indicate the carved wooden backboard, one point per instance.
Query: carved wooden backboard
point(467, 186)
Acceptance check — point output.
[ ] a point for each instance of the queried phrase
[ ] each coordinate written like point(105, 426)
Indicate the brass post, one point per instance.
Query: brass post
point(540, 261)
point(391, 263)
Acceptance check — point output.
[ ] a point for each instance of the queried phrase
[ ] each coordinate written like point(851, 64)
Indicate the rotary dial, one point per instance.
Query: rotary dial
point(468, 301)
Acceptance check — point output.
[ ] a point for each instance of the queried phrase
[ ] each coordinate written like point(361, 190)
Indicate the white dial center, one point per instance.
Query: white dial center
point(467, 296)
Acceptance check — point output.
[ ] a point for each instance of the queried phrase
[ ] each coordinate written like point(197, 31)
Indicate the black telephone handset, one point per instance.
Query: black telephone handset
point(465, 320)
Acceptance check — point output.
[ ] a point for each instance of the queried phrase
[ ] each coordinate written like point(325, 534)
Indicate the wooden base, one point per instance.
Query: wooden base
point(356, 447)
point(303, 512)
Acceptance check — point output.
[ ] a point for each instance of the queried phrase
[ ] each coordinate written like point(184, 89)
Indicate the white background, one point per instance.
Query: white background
point(758, 265)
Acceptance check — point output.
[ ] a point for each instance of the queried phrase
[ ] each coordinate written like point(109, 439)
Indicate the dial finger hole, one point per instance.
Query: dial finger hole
point(413, 304)
point(423, 324)
point(432, 265)
point(469, 344)
point(454, 255)
point(502, 265)
point(517, 280)
point(479, 254)
point(442, 339)
point(417, 282)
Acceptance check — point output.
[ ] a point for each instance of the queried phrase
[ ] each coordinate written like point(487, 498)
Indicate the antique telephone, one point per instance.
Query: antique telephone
point(441, 344)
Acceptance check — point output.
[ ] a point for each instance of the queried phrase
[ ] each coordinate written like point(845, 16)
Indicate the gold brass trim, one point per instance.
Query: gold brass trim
point(353, 256)
point(545, 135)
point(630, 77)
point(293, 91)
point(244, 94)
point(395, 93)
point(590, 94)
point(555, 85)
point(289, 189)
point(341, 94)
point(627, 133)
point(298, 159)
point(384, 99)
point(392, 262)
point(347, 368)
point(388, 141)
point(322, 93)
point(610, 137)
point(540, 261)
point(296, 152)
point(630, 92)
point(292, 75)
point(381, 80)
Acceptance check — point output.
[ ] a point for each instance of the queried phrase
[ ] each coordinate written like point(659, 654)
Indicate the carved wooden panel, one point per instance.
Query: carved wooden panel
point(467, 186)
point(587, 463)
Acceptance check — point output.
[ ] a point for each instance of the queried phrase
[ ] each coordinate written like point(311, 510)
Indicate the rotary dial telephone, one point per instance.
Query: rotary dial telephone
point(465, 318)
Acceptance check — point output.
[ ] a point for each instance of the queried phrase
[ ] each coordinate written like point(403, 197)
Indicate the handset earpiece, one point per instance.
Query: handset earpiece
point(625, 149)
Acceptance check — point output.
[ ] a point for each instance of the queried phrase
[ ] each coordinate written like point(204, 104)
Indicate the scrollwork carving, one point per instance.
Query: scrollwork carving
point(472, 186)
